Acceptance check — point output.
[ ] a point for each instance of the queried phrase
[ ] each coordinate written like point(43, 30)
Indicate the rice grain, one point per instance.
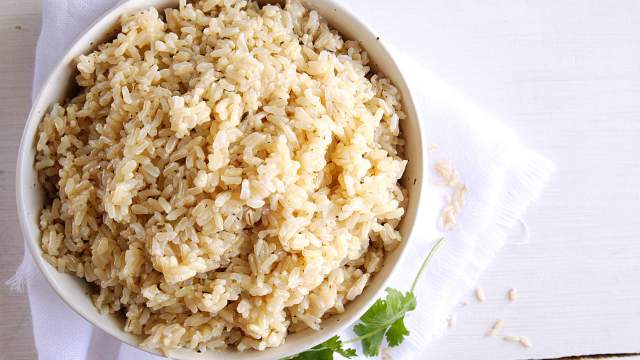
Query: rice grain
point(452, 321)
point(497, 325)
point(524, 341)
point(227, 174)
point(511, 338)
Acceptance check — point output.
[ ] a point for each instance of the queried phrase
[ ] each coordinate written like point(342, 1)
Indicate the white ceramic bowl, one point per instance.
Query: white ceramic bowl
point(73, 290)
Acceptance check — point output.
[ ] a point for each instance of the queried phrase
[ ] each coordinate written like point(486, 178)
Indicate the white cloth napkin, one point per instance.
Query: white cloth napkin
point(503, 177)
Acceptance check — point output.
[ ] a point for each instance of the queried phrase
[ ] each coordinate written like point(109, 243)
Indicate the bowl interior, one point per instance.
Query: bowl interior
point(73, 290)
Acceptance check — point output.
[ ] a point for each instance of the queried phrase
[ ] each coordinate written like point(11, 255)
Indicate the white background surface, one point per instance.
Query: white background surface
point(564, 74)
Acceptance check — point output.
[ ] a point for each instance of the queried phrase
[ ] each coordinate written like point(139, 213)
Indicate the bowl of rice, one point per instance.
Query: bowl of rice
point(221, 179)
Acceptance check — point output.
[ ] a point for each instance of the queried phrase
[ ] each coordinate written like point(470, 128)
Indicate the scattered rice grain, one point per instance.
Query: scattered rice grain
point(446, 172)
point(497, 325)
point(524, 341)
point(511, 338)
point(384, 354)
point(448, 176)
point(452, 321)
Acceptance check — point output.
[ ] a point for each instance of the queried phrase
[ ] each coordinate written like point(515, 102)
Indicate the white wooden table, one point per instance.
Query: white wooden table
point(565, 74)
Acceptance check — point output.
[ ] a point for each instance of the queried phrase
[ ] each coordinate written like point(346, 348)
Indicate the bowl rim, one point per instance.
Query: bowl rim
point(28, 140)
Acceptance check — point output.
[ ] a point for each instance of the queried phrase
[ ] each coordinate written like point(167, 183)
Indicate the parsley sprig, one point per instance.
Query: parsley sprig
point(325, 351)
point(384, 319)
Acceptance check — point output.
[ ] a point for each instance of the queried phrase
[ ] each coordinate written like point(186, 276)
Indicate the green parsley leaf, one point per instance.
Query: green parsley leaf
point(396, 333)
point(325, 351)
point(385, 319)
point(371, 343)
point(335, 344)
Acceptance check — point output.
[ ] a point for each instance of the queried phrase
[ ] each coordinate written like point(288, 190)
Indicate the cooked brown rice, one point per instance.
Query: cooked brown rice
point(226, 175)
